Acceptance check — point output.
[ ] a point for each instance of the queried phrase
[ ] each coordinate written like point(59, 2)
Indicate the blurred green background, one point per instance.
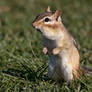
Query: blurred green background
point(23, 66)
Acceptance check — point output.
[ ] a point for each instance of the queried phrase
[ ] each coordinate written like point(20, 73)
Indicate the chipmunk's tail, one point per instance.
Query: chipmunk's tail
point(87, 70)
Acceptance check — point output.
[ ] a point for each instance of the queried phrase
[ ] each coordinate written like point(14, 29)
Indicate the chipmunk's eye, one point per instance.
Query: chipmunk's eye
point(47, 20)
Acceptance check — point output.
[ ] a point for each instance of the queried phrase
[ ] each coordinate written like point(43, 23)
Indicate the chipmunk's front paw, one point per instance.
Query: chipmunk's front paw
point(55, 51)
point(45, 50)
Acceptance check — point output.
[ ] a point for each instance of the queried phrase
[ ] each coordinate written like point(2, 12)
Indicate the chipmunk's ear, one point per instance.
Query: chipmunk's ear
point(48, 9)
point(57, 14)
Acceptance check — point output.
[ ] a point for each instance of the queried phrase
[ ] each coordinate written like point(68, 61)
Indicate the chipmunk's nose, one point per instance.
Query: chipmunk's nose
point(33, 24)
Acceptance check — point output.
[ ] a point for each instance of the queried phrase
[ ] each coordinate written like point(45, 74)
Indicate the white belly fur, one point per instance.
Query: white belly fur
point(59, 67)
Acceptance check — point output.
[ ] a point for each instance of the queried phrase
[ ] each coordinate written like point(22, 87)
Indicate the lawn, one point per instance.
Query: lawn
point(23, 66)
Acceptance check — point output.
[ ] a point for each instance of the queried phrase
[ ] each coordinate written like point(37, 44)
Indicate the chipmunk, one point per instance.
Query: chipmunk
point(60, 46)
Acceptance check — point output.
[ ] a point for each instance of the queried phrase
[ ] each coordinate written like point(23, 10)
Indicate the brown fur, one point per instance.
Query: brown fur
point(57, 41)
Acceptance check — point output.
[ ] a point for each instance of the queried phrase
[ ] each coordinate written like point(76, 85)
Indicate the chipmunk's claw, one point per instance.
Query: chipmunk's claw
point(55, 51)
point(45, 50)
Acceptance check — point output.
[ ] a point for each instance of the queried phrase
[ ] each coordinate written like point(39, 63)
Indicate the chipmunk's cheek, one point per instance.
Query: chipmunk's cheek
point(47, 33)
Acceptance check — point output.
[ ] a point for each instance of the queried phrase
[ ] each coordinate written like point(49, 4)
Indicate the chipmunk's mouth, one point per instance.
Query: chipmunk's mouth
point(38, 29)
point(34, 26)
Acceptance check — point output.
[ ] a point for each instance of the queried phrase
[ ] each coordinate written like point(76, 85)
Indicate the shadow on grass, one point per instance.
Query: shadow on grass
point(28, 73)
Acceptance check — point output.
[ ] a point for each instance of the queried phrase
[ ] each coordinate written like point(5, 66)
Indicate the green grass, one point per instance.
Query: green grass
point(23, 66)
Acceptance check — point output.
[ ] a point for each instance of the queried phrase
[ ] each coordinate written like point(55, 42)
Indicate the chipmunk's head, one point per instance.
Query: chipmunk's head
point(48, 23)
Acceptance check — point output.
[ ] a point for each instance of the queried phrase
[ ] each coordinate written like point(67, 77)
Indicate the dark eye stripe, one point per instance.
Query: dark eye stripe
point(41, 16)
point(47, 20)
